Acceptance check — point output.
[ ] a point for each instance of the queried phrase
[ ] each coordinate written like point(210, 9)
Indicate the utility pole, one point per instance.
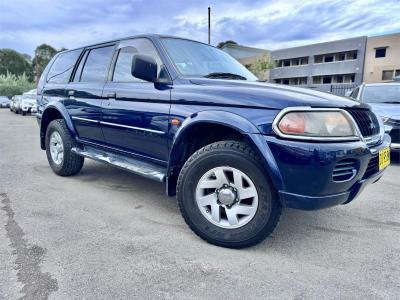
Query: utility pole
point(209, 25)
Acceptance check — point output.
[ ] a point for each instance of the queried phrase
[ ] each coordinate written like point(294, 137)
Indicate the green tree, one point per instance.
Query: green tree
point(11, 85)
point(43, 54)
point(222, 44)
point(14, 63)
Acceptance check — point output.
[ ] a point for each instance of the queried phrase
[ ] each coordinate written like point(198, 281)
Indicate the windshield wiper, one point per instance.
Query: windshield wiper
point(223, 75)
point(391, 102)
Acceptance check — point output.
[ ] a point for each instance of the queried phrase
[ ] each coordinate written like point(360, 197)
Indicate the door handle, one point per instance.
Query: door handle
point(111, 95)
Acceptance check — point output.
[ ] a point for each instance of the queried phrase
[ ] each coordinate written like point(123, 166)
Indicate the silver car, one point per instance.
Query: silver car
point(4, 102)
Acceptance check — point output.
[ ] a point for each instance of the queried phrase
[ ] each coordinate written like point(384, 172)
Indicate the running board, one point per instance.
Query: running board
point(139, 167)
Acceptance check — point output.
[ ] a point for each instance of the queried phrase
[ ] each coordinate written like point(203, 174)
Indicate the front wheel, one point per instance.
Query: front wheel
point(59, 144)
point(226, 197)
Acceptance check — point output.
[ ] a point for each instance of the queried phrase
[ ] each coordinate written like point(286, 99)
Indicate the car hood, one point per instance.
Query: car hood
point(261, 94)
point(388, 110)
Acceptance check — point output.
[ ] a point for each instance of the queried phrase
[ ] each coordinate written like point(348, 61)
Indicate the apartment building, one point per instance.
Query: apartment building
point(321, 66)
point(382, 58)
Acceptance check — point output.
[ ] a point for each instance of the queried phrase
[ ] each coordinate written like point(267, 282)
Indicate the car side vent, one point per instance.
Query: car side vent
point(344, 170)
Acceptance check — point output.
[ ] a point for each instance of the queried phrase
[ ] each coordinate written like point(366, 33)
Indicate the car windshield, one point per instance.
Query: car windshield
point(385, 93)
point(196, 59)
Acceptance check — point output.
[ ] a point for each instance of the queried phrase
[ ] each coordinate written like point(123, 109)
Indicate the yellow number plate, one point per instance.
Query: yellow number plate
point(384, 158)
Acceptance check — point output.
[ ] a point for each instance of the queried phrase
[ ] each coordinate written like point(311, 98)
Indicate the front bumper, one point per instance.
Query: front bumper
point(31, 109)
point(307, 168)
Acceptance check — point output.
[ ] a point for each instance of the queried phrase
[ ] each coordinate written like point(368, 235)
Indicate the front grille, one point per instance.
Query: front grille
point(366, 121)
point(344, 170)
point(373, 167)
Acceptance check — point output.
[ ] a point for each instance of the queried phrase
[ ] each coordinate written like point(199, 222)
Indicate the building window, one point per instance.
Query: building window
point(351, 55)
point(333, 79)
point(335, 57)
point(303, 80)
point(292, 81)
point(397, 73)
point(327, 80)
point(387, 75)
point(304, 61)
point(318, 59)
point(380, 52)
point(286, 63)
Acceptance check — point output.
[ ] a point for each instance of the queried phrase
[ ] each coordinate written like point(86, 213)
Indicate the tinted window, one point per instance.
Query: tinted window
point(122, 71)
point(62, 67)
point(96, 66)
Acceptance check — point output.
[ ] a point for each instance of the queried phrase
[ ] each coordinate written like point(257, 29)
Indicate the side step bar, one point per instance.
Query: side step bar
point(145, 169)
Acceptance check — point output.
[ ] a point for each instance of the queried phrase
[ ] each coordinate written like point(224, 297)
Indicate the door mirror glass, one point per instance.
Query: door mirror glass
point(144, 67)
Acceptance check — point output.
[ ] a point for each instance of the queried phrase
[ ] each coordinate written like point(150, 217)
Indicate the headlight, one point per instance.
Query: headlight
point(321, 124)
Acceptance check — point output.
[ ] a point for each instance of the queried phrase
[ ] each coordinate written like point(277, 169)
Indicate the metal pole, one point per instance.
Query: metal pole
point(209, 25)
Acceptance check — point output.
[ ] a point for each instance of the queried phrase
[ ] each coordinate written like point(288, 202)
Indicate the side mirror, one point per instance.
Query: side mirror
point(144, 67)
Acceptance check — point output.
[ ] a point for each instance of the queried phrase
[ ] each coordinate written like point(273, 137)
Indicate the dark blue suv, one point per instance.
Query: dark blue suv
point(233, 150)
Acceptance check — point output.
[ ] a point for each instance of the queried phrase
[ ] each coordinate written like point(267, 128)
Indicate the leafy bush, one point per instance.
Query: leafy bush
point(11, 85)
point(260, 66)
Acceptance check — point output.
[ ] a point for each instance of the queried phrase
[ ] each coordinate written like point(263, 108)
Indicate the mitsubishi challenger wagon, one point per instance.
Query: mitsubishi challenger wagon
point(233, 150)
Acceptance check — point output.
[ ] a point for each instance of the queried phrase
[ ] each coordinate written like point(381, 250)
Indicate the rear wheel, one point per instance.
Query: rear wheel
point(59, 143)
point(226, 197)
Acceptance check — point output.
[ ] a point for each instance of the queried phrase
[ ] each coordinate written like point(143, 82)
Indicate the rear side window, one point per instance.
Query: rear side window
point(61, 69)
point(96, 65)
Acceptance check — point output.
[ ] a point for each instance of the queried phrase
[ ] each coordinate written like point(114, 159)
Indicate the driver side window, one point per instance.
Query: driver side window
point(123, 65)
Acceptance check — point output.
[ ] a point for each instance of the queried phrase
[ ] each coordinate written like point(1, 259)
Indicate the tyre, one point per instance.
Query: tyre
point(59, 143)
point(226, 197)
point(24, 113)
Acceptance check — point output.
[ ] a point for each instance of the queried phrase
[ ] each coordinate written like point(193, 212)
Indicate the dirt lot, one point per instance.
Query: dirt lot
point(108, 234)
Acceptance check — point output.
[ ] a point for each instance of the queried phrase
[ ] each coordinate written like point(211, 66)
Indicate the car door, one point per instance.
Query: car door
point(53, 82)
point(85, 92)
point(135, 114)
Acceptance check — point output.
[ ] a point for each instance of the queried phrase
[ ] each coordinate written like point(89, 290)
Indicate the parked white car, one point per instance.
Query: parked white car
point(28, 102)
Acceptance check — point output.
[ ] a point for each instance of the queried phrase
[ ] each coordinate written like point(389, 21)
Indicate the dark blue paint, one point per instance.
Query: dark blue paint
point(301, 172)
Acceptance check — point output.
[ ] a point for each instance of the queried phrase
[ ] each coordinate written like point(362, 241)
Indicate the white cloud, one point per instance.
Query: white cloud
point(269, 24)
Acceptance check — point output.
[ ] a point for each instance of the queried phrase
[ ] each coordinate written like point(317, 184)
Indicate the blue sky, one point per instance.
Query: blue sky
point(268, 24)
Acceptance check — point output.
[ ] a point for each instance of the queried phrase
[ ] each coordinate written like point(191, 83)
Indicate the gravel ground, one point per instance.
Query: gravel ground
point(109, 234)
